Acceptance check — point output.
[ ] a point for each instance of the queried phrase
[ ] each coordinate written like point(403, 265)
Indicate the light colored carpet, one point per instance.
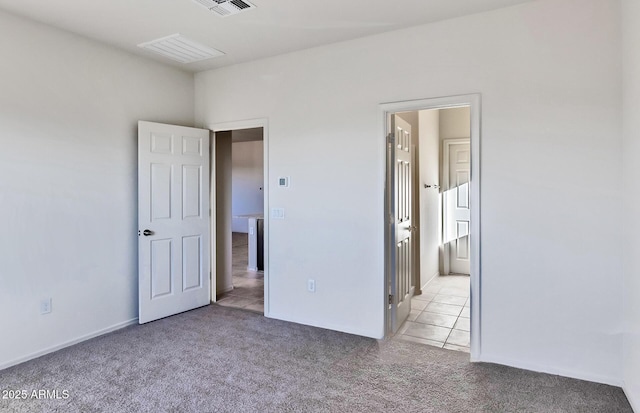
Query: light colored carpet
point(218, 359)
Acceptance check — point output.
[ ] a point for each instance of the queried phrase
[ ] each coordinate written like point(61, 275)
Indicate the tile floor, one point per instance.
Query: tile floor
point(440, 315)
point(248, 286)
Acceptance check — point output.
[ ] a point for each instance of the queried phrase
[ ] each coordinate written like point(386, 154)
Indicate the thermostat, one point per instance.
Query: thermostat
point(283, 182)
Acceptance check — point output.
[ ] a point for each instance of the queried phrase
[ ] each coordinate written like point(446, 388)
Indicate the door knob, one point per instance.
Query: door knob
point(147, 232)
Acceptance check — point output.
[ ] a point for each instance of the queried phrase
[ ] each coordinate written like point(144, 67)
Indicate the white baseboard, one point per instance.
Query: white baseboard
point(68, 343)
point(634, 402)
point(327, 326)
point(437, 274)
point(224, 290)
point(580, 375)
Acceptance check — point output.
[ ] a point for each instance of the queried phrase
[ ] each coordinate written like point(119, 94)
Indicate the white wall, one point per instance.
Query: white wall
point(455, 123)
point(68, 129)
point(631, 213)
point(247, 182)
point(551, 87)
point(430, 226)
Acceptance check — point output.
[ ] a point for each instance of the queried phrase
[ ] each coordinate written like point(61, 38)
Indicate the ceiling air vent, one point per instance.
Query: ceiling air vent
point(226, 8)
point(181, 49)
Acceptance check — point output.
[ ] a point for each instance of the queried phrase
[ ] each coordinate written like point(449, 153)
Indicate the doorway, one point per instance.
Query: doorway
point(240, 276)
point(432, 222)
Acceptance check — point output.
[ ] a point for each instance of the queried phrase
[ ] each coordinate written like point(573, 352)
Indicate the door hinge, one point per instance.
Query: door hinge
point(391, 138)
point(390, 299)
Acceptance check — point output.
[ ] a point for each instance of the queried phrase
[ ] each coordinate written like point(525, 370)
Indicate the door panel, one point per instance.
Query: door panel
point(173, 219)
point(400, 191)
point(191, 190)
point(161, 268)
point(160, 192)
point(191, 262)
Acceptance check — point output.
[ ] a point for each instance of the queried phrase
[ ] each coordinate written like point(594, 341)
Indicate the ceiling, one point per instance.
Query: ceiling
point(273, 27)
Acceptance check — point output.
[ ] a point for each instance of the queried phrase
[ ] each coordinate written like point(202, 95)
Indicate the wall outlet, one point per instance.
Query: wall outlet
point(311, 285)
point(45, 306)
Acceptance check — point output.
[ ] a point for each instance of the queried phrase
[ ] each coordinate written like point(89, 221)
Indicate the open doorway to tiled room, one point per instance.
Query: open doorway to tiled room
point(439, 145)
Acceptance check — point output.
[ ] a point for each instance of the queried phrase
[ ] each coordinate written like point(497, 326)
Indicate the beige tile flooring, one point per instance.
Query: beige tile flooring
point(248, 286)
point(440, 316)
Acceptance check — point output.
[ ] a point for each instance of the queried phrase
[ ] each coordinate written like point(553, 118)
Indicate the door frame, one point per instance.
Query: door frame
point(446, 150)
point(231, 126)
point(474, 103)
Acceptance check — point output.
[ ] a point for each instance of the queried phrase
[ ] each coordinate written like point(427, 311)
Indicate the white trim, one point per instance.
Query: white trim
point(213, 284)
point(69, 343)
point(264, 124)
point(474, 102)
point(226, 289)
point(437, 274)
point(241, 124)
point(343, 328)
point(446, 251)
point(542, 368)
point(635, 403)
point(447, 102)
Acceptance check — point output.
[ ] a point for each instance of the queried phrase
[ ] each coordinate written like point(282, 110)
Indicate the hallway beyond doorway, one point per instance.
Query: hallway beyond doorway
point(248, 286)
point(440, 316)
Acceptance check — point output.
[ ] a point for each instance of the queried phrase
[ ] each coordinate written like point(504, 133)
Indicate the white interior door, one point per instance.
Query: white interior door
point(400, 211)
point(457, 173)
point(173, 219)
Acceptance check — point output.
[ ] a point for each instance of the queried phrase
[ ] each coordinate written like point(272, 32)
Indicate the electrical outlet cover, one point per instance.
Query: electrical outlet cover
point(45, 306)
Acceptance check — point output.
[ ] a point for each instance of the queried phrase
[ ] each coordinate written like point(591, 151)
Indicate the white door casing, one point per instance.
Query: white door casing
point(457, 208)
point(173, 219)
point(399, 208)
point(474, 102)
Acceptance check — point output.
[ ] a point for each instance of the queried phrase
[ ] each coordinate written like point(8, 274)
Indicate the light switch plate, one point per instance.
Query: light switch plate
point(277, 213)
